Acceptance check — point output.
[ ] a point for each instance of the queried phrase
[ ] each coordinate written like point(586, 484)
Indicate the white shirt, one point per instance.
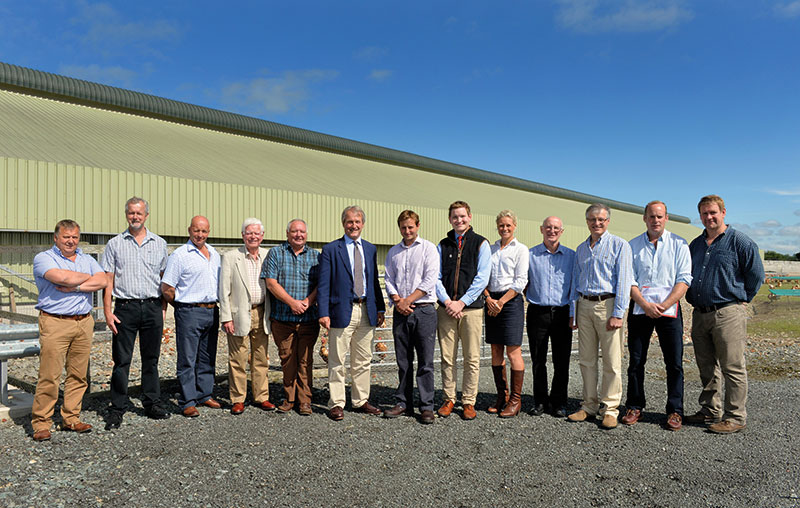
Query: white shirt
point(509, 267)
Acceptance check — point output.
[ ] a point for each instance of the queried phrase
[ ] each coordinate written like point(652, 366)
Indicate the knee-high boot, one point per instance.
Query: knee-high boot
point(515, 401)
point(501, 383)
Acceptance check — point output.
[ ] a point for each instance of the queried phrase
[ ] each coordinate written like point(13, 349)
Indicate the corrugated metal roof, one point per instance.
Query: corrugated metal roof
point(126, 147)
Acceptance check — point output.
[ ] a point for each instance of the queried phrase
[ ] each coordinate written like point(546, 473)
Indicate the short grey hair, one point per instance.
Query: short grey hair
point(596, 207)
point(289, 225)
point(355, 209)
point(249, 222)
point(135, 201)
point(506, 213)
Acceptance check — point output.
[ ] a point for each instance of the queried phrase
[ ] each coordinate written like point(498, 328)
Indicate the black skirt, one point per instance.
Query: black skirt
point(506, 328)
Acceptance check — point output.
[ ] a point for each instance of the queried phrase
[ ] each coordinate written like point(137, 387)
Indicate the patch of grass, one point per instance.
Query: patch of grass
point(779, 317)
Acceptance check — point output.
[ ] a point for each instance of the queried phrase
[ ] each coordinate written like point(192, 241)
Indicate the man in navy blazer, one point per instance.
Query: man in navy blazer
point(350, 306)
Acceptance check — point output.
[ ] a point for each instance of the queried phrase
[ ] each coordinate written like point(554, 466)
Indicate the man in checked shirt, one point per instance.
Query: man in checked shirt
point(601, 282)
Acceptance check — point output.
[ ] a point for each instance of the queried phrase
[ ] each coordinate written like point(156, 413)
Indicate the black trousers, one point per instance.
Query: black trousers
point(550, 325)
point(415, 332)
point(143, 317)
point(670, 338)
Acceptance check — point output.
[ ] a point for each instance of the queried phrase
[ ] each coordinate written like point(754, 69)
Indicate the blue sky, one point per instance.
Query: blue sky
point(631, 100)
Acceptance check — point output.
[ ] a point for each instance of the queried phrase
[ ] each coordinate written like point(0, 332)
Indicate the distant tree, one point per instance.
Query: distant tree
point(771, 255)
point(797, 256)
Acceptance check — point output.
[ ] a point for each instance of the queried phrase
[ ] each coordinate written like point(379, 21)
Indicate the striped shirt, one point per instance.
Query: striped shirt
point(412, 267)
point(136, 268)
point(256, 284)
point(550, 276)
point(728, 270)
point(298, 275)
point(194, 277)
point(603, 269)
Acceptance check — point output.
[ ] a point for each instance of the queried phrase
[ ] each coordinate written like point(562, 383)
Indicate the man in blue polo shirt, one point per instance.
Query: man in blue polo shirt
point(726, 272)
point(66, 279)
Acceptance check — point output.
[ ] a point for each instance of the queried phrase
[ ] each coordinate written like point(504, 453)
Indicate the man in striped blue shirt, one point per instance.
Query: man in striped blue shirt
point(601, 283)
point(726, 272)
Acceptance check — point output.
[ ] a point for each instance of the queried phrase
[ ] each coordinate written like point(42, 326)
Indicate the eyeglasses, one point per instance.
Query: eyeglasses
point(552, 228)
point(596, 219)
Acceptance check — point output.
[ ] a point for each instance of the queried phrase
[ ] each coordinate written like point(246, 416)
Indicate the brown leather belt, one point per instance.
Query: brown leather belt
point(598, 298)
point(359, 300)
point(257, 306)
point(73, 317)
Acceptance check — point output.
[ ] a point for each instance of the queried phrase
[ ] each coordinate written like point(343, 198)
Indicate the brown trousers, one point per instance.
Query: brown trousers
point(63, 343)
point(295, 342)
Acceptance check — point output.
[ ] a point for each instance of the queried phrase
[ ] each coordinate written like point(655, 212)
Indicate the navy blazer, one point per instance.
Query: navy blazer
point(335, 291)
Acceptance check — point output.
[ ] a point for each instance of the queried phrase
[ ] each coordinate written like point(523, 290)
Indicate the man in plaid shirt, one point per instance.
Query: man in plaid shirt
point(291, 271)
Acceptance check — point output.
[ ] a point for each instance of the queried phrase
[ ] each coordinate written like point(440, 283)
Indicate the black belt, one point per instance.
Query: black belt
point(137, 300)
point(549, 308)
point(715, 307)
point(360, 300)
point(598, 298)
point(209, 305)
point(423, 304)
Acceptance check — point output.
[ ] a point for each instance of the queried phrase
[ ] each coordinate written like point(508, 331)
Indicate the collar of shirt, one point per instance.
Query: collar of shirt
point(599, 240)
point(403, 243)
point(148, 235)
point(290, 249)
point(512, 243)
point(349, 241)
point(543, 248)
point(78, 252)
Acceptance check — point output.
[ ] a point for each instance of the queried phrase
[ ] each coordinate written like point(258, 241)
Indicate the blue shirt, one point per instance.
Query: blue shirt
point(550, 276)
point(136, 268)
point(194, 277)
point(53, 301)
point(298, 275)
point(480, 281)
point(728, 270)
point(603, 269)
point(663, 264)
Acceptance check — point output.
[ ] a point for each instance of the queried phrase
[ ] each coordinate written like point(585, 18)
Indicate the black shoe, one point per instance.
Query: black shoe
point(560, 412)
point(156, 412)
point(538, 410)
point(113, 420)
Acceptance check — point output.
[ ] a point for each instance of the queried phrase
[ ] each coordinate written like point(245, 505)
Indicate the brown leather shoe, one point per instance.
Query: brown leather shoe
point(336, 413)
point(238, 408)
point(580, 416)
point(285, 406)
point(726, 427)
point(305, 409)
point(78, 427)
point(469, 412)
point(42, 435)
point(609, 422)
point(191, 412)
point(368, 409)
point(700, 418)
point(631, 416)
point(394, 412)
point(501, 383)
point(427, 417)
point(446, 409)
point(266, 405)
point(213, 404)
point(674, 422)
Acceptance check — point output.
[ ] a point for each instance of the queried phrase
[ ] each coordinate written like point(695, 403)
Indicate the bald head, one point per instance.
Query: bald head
point(551, 229)
point(198, 231)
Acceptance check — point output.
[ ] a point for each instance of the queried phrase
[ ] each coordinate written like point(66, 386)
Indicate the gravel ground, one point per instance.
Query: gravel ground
point(269, 459)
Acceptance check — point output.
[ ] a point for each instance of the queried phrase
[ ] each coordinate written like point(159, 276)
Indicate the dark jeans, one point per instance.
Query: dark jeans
point(196, 331)
point(550, 323)
point(670, 338)
point(415, 332)
point(143, 317)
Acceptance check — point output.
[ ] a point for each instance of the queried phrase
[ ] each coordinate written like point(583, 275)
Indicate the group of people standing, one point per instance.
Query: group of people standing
point(292, 291)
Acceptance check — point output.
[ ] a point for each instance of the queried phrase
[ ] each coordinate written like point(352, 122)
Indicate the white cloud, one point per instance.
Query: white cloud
point(380, 74)
point(772, 223)
point(279, 94)
point(592, 16)
point(104, 28)
point(751, 231)
point(371, 53)
point(111, 75)
point(788, 10)
point(790, 231)
point(785, 192)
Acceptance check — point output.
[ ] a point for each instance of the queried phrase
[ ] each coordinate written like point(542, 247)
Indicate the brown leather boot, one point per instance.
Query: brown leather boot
point(515, 401)
point(501, 383)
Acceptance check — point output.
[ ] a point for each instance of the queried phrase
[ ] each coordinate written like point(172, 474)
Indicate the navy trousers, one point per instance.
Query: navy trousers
point(670, 338)
point(143, 317)
point(550, 325)
point(196, 331)
point(415, 332)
